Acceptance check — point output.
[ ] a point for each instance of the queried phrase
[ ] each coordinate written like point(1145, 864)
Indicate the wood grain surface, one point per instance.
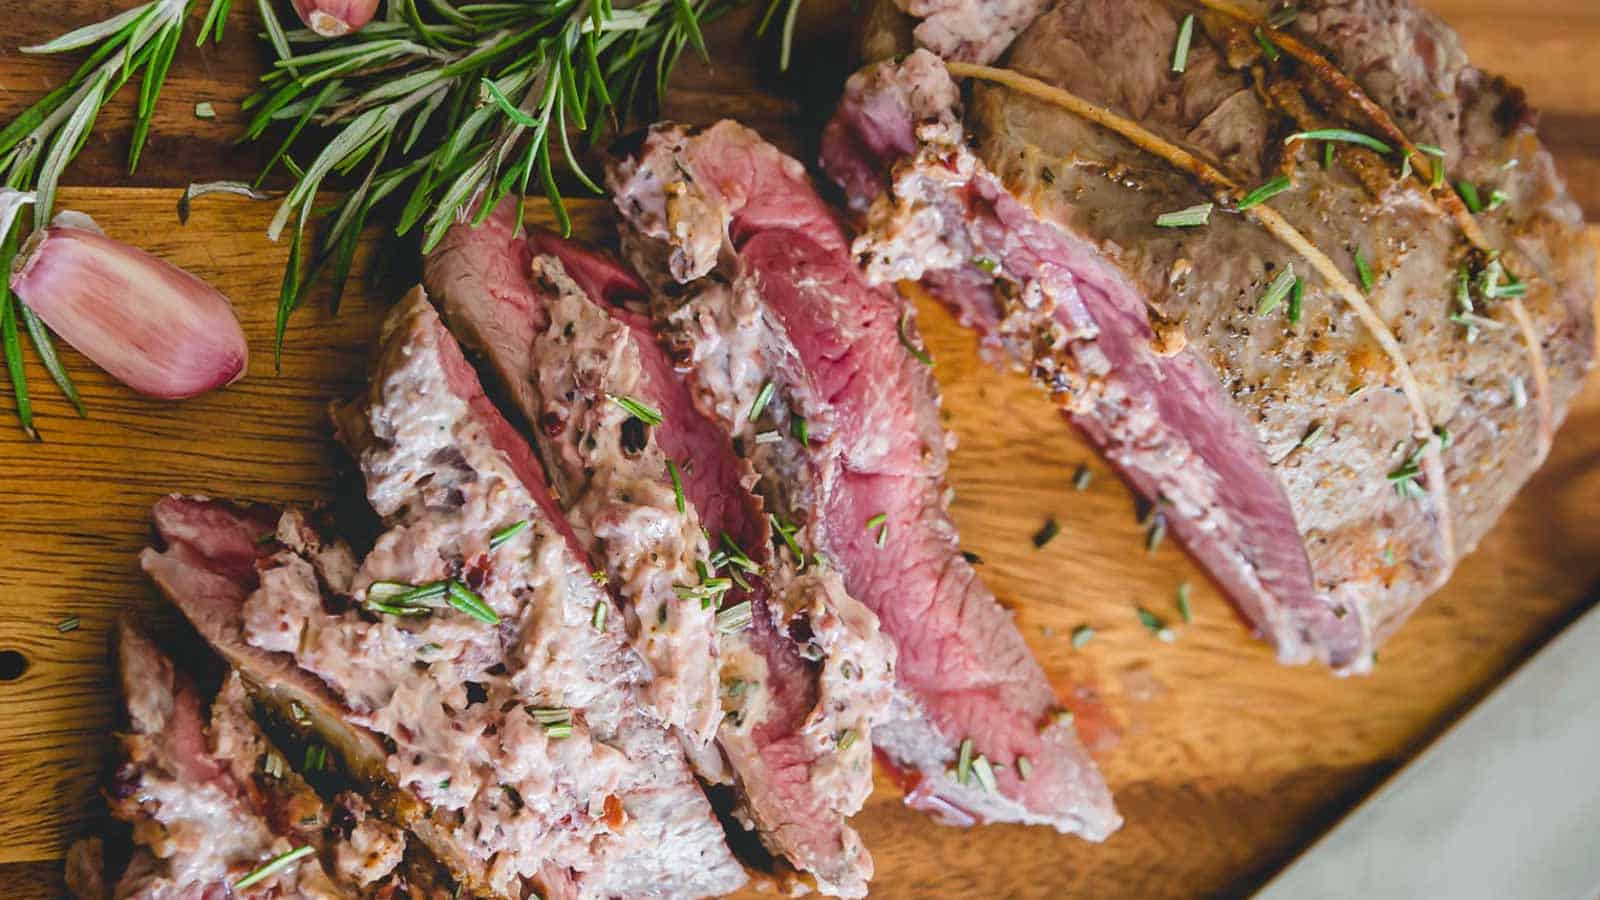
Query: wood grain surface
point(1224, 763)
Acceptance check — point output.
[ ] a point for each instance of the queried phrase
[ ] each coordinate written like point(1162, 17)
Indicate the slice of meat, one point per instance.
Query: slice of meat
point(795, 716)
point(446, 471)
point(755, 293)
point(498, 723)
point(1287, 450)
point(610, 475)
point(207, 803)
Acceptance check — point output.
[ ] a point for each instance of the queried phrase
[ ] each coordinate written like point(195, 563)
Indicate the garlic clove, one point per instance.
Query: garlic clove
point(152, 326)
point(335, 18)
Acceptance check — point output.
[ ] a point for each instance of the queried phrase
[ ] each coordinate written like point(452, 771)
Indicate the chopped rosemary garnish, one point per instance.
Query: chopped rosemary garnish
point(598, 576)
point(1082, 477)
point(1183, 603)
point(277, 864)
point(735, 618)
point(1327, 154)
point(964, 762)
point(1342, 136)
point(1276, 291)
point(640, 410)
point(398, 599)
point(1469, 195)
point(1405, 478)
point(1519, 392)
point(900, 330)
point(68, 624)
point(1190, 217)
point(316, 758)
point(1267, 46)
point(734, 555)
point(677, 487)
point(798, 428)
point(1363, 271)
point(1081, 635)
point(847, 739)
point(464, 600)
point(557, 720)
point(1438, 174)
point(1493, 288)
point(1046, 533)
point(1155, 532)
point(984, 773)
point(786, 531)
point(273, 764)
point(708, 591)
point(1024, 768)
point(498, 539)
point(1271, 188)
point(598, 619)
point(881, 523)
point(547, 715)
point(1297, 296)
point(763, 397)
point(1497, 199)
point(1155, 625)
point(1433, 150)
point(1283, 16)
point(988, 264)
point(1180, 52)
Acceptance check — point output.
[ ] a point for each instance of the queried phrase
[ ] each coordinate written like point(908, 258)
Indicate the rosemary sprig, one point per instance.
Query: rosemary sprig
point(37, 146)
point(503, 86)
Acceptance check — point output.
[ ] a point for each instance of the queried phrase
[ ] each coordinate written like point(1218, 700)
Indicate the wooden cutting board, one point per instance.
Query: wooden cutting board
point(1224, 763)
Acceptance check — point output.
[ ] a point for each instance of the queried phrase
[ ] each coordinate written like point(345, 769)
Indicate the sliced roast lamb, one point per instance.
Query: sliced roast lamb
point(465, 667)
point(1332, 386)
point(655, 494)
point(216, 810)
point(817, 377)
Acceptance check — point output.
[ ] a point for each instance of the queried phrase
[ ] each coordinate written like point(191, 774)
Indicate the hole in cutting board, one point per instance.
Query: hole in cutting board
point(12, 665)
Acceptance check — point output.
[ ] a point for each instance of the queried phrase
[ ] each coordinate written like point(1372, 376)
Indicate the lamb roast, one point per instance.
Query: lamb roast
point(1309, 281)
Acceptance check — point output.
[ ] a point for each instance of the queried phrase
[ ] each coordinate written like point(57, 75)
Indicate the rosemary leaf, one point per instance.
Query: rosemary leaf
point(1340, 135)
point(276, 864)
point(677, 487)
point(45, 346)
point(640, 410)
point(499, 538)
point(1363, 271)
point(1272, 188)
point(1180, 51)
point(1276, 292)
point(900, 330)
point(1192, 217)
point(763, 397)
point(466, 601)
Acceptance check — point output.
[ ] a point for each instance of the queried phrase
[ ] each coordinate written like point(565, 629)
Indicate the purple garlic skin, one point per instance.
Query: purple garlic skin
point(335, 18)
point(148, 323)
